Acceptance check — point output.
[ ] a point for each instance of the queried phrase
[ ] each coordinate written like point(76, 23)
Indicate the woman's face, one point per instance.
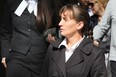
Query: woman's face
point(95, 7)
point(68, 26)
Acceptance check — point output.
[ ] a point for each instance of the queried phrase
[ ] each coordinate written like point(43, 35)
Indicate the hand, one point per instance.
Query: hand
point(50, 38)
point(96, 43)
point(4, 62)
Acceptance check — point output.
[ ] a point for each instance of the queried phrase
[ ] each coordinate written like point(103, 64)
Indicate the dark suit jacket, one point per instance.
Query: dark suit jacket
point(86, 61)
point(20, 34)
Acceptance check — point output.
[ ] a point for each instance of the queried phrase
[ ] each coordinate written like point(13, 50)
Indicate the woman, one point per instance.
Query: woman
point(98, 8)
point(109, 20)
point(75, 55)
point(23, 45)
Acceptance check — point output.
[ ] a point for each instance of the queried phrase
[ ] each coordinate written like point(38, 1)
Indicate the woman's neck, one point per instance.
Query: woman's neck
point(73, 40)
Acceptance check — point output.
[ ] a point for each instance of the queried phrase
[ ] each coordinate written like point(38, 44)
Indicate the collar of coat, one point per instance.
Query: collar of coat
point(85, 46)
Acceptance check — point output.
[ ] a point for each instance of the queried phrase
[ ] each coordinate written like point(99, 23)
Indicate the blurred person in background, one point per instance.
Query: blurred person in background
point(85, 4)
point(109, 20)
point(98, 8)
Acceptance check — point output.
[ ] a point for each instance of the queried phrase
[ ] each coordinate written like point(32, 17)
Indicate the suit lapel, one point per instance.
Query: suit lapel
point(59, 57)
point(77, 57)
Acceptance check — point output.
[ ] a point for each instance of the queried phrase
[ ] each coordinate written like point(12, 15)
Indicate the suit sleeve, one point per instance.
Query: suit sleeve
point(98, 66)
point(6, 31)
point(46, 62)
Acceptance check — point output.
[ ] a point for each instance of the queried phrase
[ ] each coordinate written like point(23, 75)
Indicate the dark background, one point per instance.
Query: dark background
point(2, 69)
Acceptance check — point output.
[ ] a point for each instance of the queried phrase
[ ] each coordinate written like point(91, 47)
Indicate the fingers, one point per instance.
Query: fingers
point(4, 62)
point(96, 43)
point(50, 38)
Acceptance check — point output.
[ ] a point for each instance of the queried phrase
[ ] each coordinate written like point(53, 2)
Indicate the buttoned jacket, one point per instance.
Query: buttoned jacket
point(86, 61)
point(21, 33)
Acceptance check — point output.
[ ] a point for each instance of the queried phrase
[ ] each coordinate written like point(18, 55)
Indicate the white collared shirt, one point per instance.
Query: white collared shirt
point(69, 51)
point(31, 5)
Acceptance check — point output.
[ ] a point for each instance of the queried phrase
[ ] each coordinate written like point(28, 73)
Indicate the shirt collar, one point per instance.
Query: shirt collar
point(74, 46)
point(23, 5)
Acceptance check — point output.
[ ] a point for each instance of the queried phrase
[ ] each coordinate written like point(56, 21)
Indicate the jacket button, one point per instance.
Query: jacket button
point(54, 73)
point(28, 30)
point(28, 22)
point(9, 49)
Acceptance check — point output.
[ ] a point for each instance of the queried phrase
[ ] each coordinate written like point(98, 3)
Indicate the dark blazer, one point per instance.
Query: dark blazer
point(21, 34)
point(86, 61)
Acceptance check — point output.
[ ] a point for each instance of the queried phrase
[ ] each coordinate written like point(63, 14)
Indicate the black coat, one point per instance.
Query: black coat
point(86, 61)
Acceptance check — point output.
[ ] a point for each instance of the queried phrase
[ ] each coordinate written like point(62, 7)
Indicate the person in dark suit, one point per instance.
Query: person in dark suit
point(75, 55)
point(23, 44)
point(2, 69)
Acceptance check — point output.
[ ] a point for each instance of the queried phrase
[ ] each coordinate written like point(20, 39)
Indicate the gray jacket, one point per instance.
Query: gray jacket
point(108, 19)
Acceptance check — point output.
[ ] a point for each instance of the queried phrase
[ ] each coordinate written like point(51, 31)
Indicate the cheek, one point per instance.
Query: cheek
point(69, 30)
point(96, 8)
point(66, 30)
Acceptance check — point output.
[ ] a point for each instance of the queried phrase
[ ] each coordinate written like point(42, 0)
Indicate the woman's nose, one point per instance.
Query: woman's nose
point(60, 23)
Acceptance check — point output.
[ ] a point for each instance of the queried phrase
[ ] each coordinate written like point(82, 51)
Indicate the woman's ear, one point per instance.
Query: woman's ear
point(80, 25)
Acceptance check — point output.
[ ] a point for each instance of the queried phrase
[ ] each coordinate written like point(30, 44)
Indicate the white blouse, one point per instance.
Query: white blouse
point(69, 51)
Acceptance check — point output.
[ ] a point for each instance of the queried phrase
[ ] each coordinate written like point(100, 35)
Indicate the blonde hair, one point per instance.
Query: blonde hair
point(103, 3)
